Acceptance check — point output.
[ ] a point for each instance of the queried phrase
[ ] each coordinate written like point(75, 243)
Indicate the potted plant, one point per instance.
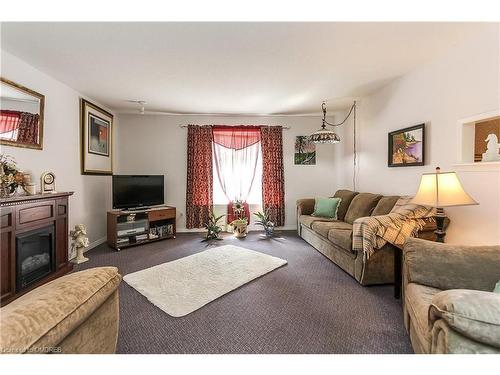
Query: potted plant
point(240, 227)
point(263, 219)
point(213, 228)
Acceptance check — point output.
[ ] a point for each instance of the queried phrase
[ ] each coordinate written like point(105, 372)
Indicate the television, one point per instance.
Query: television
point(137, 191)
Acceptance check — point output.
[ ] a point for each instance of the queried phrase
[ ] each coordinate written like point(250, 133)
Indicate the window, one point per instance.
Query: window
point(237, 160)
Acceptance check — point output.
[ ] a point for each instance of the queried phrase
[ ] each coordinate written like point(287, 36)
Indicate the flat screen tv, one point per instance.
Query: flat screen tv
point(137, 191)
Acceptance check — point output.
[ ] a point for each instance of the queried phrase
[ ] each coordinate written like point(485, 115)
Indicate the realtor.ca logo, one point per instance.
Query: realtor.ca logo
point(42, 349)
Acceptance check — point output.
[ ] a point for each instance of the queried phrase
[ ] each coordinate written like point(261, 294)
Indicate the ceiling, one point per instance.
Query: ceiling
point(229, 68)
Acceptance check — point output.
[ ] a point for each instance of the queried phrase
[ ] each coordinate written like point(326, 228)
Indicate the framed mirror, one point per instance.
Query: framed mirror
point(21, 116)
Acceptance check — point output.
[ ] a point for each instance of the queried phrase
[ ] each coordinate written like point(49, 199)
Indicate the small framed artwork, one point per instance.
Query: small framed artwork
point(305, 151)
point(96, 139)
point(407, 147)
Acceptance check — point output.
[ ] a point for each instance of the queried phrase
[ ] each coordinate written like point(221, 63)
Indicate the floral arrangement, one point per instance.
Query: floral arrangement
point(238, 208)
point(10, 176)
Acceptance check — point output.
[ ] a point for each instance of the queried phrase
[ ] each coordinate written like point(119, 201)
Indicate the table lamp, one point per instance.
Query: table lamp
point(441, 189)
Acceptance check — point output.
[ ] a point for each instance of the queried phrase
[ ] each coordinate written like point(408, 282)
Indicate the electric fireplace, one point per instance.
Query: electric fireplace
point(34, 256)
point(34, 242)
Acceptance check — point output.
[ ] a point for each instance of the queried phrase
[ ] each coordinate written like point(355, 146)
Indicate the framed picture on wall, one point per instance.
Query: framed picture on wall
point(305, 151)
point(96, 139)
point(407, 147)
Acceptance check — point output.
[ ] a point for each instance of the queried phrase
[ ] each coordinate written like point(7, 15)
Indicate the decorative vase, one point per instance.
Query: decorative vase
point(30, 189)
point(269, 231)
point(240, 230)
point(7, 191)
point(4, 191)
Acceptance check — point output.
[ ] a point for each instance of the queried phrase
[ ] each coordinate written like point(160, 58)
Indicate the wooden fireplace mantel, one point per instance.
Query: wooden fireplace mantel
point(23, 214)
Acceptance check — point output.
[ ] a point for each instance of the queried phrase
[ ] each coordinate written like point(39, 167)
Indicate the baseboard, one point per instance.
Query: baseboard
point(96, 243)
point(250, 229)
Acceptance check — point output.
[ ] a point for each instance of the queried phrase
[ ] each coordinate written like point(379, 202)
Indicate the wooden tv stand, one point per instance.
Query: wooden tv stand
point(138, 227)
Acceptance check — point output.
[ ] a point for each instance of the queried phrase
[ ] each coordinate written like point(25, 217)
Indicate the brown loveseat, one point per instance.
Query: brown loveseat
point(76, 313)
point(333, 238)
point(448, 302)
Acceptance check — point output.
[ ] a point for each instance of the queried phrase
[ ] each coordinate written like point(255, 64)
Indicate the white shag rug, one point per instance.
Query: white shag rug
point(184, 285)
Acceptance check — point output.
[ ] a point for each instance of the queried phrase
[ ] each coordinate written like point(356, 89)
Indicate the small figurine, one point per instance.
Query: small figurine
point(492, 146)
point(80, 242)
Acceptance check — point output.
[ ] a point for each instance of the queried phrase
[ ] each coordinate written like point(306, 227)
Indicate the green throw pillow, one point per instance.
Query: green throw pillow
point(326, 207)
point(497, 288)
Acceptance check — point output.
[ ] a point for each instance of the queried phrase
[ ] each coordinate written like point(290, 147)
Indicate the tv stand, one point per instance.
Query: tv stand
point(138, 227)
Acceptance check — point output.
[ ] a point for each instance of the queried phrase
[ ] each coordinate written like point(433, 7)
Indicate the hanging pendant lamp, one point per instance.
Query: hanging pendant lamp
point(325, 135)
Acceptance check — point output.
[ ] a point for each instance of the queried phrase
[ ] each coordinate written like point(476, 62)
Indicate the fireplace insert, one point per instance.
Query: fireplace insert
point(35, 256)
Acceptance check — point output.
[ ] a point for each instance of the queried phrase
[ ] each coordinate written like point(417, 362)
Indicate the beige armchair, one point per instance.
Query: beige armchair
point(76, 313)
point(448, 302)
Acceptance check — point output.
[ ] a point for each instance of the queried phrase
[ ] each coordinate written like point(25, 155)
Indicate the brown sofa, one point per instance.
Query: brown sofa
point(448, 302)
point(76, 313)
point(333, 238)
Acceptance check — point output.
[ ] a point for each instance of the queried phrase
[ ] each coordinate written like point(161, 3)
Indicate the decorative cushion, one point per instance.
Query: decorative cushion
point(326, 207)
point(385, 205)
point(473, 313)
point(308, 220)
point(497, 287)
point(362, 205)
point(346, 196)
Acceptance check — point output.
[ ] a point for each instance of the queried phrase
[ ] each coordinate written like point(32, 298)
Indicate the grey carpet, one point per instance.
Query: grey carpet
point(307, 306)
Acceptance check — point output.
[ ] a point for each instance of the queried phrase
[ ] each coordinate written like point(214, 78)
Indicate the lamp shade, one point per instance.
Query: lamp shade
point(442, 190)
point(324, 136)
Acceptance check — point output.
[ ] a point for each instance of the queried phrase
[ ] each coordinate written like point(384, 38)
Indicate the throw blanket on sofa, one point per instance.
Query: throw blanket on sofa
point(405, 220)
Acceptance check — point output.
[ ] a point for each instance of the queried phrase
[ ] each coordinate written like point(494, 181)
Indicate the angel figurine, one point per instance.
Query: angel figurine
point(492, 146)
point(80, 242)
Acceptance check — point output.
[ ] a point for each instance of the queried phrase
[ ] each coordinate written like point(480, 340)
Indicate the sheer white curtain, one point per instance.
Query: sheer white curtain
point(238, 165)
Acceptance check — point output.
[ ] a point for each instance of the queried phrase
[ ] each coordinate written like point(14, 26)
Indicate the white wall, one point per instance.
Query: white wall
point(155, 144)
point(462, 83)
point(61, 148)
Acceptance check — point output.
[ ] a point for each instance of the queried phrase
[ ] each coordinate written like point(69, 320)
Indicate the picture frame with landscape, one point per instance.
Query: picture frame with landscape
point(305, 151)
point(406, 147)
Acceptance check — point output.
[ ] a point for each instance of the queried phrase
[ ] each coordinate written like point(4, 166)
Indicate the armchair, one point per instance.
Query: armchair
point(448, 302)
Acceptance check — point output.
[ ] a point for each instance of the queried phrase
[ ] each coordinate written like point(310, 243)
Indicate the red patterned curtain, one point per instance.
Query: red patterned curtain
point(236, 137)
point(9, 121)
point(199, 190)
point(28, 128)
point(273, 179)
